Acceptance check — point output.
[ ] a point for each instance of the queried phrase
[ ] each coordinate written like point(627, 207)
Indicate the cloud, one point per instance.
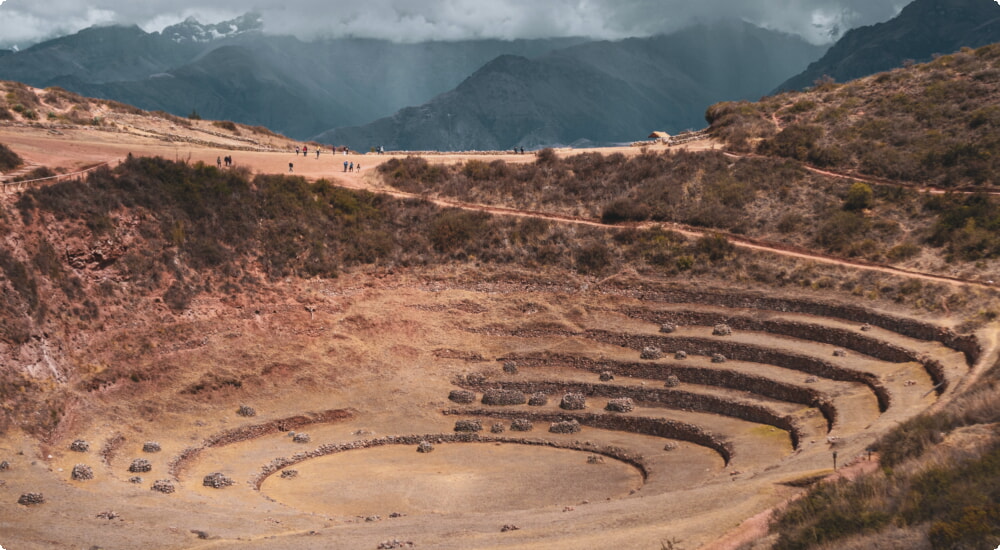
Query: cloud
point(27, 21)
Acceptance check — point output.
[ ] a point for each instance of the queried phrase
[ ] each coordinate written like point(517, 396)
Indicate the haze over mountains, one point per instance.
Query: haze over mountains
point(474, 94)
point(594, 93)
point(922, 29)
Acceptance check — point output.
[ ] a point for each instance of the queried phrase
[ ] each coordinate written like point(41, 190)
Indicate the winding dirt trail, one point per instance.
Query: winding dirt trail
point(83, 151)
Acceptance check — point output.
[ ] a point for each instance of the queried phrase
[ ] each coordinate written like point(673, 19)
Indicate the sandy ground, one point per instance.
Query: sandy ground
point(389, 351)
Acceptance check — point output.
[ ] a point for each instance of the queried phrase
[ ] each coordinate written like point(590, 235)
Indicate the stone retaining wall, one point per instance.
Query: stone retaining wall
point(747, 352)
point(851, 340)
point(656, 427)
point(674, 399)
point(722, 378)
point(968, 344)
point(246, 433)
point(278, 464)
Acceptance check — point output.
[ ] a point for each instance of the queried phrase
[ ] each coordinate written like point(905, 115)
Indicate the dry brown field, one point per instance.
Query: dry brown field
point(347, 376)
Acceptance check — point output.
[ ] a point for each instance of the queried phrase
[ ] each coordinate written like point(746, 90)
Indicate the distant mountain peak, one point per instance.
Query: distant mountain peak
point(191, 30)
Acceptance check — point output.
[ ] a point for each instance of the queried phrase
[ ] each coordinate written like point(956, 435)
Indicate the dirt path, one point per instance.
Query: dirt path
point(84, 148)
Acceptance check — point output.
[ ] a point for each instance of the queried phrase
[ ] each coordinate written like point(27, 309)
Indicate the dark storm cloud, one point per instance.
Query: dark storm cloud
point(27, 21)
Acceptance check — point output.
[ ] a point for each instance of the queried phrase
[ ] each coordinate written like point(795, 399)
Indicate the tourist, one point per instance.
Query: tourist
point(345, 165)
point(290, 167)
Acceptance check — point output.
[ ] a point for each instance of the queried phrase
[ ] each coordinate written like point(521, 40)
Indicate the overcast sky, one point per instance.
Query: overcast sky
point(24, 22)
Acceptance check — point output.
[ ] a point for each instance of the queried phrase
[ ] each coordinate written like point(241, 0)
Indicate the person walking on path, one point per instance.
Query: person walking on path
point(345, 165)
point(290, 167)
point(296, 150)
point(352, 167)
point(317, 153)
point(218, 161)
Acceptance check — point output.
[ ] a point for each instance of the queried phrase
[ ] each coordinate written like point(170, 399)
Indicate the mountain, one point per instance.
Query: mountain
point(596, 92)
point(922, 29)
point(232, 71)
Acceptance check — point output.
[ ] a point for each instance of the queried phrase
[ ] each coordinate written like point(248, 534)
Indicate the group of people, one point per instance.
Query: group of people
point(349, 166)
point(228, 160)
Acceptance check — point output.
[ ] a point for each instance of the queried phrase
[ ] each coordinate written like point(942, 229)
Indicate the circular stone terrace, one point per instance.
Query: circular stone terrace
point(720, 425)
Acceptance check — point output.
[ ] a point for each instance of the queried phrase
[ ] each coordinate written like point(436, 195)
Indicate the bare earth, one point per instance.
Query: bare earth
point(385, 353)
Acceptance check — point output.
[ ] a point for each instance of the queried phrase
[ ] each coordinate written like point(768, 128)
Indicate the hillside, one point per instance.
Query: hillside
point(596, 93)
point(923, 29)
point(472, 350)
point(933, 124)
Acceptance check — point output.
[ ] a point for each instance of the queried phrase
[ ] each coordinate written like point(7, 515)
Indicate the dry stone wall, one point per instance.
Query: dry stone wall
point(616, 453)
point(672, 374)
point(968, 344)
point(754, 354)
point(676, 399)
point(657, 427)
point(246, 433)
point(849, 339)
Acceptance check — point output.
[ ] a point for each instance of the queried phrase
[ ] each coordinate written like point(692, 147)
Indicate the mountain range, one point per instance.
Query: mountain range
point(232, 71)
point(475, 94)
point(924, 28)
point(594, 93)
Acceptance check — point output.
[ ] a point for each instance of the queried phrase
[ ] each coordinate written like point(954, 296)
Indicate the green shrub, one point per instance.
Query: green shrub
point(859, 197)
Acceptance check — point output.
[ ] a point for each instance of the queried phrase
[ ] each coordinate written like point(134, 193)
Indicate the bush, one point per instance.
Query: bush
point(226, 125)
point(9, 160)
point(859, 197)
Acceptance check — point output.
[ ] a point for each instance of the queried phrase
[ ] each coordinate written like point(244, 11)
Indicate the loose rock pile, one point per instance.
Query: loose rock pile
point(510, 367)
point(681, 354)
point(4, 466)
point(502, 397)
point(722, 329)
point(82, 472)
point(607, 376)
point(30, 499)
point(108, 515)
point(301, 438)
point(245, 410)
point(595, 459)
point(473, 379)
point(538, 400)
point(651, 353)
point(521, 425)
point(289, 474)
point(163, 486)
point(573, 402)
point(509, 527)
point(468, 426)
point(394, 543)
point(667, 328)
point(463, 397)
point(425, 447)
point(621, 404)
point(670, 446)
point(151, 447)
point(135, 479)
point(498, 428)
point(79, 446)
point(839, 353)
point(672, 381)
point(565, 427)
point(718, 358)
point(217, 480)
point(140, 465)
